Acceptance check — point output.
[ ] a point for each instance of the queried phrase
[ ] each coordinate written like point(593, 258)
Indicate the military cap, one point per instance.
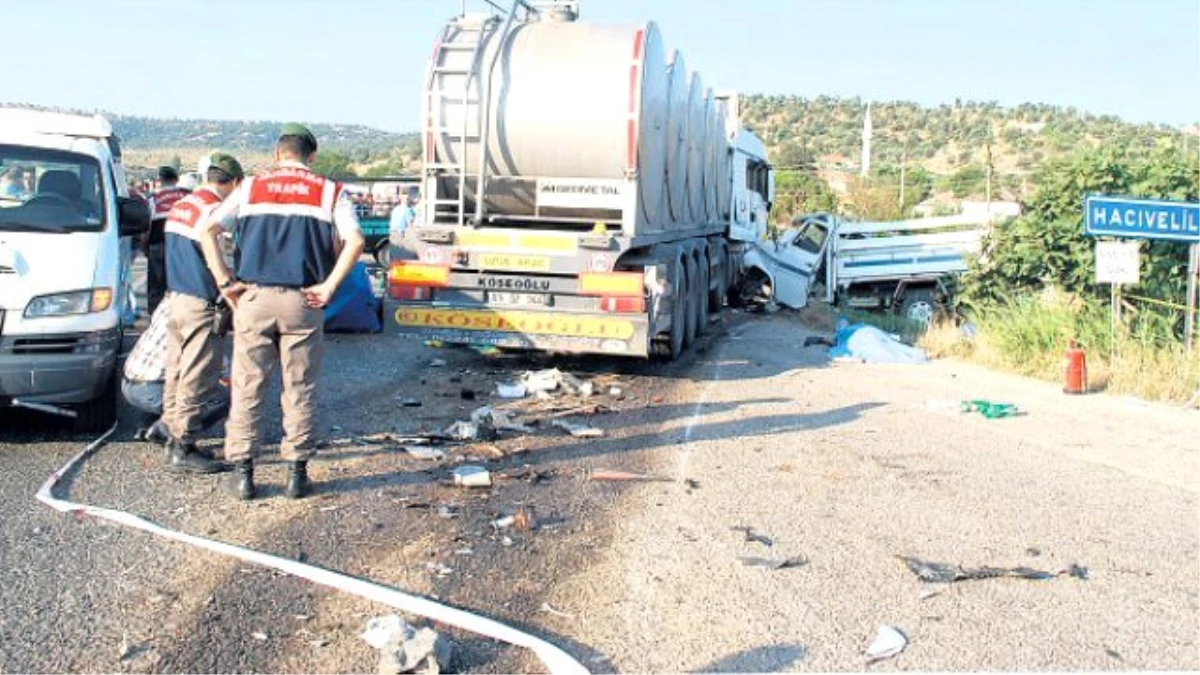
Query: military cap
point(226, 163)
point(299, 131)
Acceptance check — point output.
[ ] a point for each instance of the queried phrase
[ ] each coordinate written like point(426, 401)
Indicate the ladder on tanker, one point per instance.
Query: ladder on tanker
point(475, 78)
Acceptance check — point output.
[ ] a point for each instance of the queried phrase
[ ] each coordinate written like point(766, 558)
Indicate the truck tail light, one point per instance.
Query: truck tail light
point(415, 281)
point(612, 283)
point(623, 305)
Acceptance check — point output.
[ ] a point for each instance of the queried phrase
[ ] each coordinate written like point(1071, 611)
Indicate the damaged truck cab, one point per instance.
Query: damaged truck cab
point(66, 223)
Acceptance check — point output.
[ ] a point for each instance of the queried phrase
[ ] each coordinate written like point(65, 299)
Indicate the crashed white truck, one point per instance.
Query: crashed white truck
point(902, 266)
point(580, 191)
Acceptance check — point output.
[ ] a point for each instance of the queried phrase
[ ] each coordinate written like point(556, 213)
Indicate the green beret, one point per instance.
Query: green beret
point(226, 163)
point(299, 131)
point(168, 173)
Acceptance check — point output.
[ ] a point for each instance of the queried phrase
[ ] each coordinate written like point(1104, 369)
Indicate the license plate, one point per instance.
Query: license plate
point(518, 299)
point(522, 263)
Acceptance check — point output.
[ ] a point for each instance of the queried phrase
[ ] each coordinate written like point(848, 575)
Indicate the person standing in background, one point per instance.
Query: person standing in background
point(161, 202)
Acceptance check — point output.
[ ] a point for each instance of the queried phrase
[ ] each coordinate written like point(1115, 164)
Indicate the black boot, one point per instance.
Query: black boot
point(243, 480)
point(183, 458)
point(298, 484)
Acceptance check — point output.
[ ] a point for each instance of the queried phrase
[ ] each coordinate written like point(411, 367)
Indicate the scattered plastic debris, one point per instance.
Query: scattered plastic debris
point(425, 452)
point(943, 573)
point(775, 563)
point(888, 642)
point(578, 430)
point(405, 649)
point(498, 420)
point(626, 476)
point(989, 409)
point(470, 475)
point(753, 536)
point(860, 342)
point(511, 390)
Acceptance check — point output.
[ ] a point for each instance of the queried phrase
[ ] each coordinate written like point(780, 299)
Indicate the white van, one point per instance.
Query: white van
point(66, 225)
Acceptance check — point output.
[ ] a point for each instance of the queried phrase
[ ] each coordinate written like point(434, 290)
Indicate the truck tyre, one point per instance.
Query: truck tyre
point(703, 294)
point(716, 294)
point(920, 306)
point(671, 347)
point(99, 414)
point(691, 296)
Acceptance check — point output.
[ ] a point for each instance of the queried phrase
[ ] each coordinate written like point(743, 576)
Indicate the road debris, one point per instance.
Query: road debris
point(471, 431)
point(446, 511)
point(775, 563)
point(439, 569)
point(989, 409)
point(510, 390)
point(406, 402)
point(944, 573)
point(470, 475)
point(437, 363)
point(692, 484)
point(550, 610)
point(260, 636)
point(616, 392)
point(577, 430)
point(504, 522)
point(888, 642)
point(525, 519)
point(405, 649)
point(425, 452)
point(608, 475)
point(753, 536)
point(498, 420)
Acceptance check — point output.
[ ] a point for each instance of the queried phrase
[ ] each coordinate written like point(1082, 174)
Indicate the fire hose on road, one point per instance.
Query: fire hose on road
point(557, 661)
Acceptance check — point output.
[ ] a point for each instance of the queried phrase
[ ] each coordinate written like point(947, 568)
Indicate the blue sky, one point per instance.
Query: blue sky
point(361, 61)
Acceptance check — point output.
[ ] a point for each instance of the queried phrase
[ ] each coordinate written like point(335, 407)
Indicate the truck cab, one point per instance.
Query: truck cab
point(66, 223)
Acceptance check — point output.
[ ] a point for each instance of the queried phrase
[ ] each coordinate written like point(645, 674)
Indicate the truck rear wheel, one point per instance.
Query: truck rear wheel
point(702, 297)
point(920, 306)
point(716, 294)
point(671, 347)
point(691, 301)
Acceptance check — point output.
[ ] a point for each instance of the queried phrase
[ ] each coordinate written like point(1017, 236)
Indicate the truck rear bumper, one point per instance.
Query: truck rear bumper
point(593, 333)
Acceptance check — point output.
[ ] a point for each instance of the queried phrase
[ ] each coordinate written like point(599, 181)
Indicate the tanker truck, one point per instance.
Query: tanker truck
point(581, 192)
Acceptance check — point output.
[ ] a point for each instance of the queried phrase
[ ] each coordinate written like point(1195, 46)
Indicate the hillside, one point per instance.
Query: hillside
point(827, 131)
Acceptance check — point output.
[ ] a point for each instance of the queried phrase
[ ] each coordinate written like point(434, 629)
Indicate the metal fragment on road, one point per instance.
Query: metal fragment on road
point(945, 573)
point(775, 563)
point(425, 452)
point(752, 536)
point(578, 430)
point(470, 475)
point(888, 642)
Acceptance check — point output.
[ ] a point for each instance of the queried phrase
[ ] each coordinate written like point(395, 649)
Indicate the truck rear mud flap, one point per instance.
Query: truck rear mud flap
point(620, 334)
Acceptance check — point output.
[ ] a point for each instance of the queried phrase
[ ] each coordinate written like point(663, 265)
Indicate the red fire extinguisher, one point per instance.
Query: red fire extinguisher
point(1076, 371)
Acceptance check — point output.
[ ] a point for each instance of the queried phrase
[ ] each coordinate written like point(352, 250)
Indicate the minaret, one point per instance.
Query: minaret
point(866, 144)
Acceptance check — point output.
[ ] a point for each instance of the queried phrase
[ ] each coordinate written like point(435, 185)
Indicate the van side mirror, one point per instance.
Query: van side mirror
point(134, 216)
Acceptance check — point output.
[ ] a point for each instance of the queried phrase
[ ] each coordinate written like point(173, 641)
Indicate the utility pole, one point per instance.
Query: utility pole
point(988, 155)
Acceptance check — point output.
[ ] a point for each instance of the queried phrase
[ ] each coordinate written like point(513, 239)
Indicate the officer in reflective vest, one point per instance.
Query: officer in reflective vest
point(193, 340)
point(296, 237)
point(161, 202)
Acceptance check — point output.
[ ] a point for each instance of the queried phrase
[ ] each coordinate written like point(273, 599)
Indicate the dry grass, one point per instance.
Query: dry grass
point(1030, 337)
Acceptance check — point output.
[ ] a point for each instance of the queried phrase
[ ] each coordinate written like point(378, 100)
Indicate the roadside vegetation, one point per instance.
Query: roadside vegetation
point(1033, 289)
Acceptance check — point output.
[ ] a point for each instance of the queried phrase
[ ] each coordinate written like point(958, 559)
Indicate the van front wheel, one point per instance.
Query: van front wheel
point(99, 414)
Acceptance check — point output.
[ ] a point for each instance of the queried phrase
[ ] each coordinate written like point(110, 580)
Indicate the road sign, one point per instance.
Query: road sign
point(1117, 262)
point(1142, 218)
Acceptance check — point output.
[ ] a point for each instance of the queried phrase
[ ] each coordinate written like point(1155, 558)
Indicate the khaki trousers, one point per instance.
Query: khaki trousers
point(273, 325)
point(193, 365)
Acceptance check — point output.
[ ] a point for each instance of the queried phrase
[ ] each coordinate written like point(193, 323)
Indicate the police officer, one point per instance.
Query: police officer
point(193, 343)
point(296, 238)
point(161, 201)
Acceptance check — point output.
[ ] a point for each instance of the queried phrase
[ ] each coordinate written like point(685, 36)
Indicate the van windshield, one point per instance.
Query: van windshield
point(43, 190)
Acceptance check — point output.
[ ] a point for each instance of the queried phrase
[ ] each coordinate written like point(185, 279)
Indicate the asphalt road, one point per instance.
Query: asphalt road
point(846, 466)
